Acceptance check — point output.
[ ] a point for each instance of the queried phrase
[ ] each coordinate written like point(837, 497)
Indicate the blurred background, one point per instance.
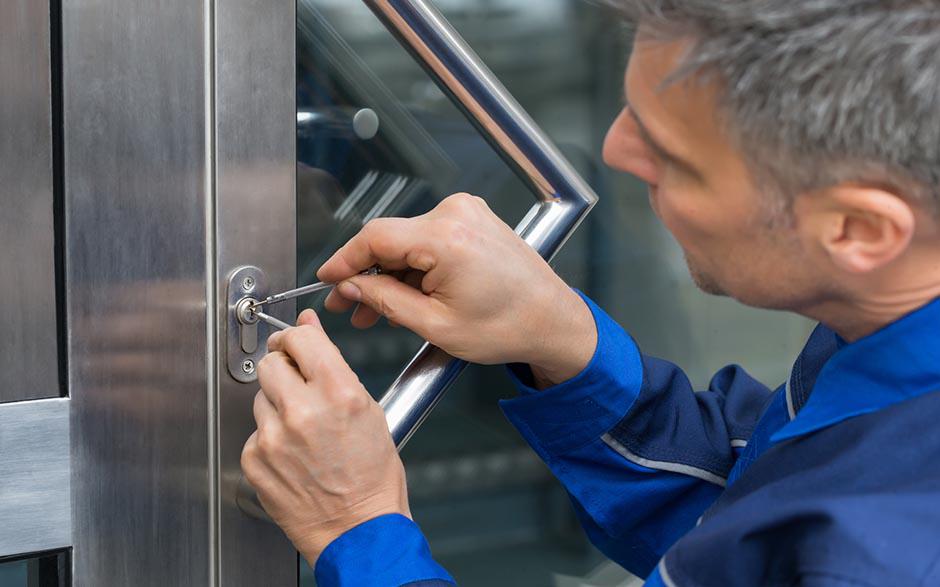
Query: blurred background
point(376, 137)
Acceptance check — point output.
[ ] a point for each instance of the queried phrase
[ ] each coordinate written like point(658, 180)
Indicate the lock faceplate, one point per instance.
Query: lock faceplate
point(244, 332)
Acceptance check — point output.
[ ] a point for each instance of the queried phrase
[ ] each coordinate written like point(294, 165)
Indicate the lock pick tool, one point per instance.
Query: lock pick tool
point(290, 294)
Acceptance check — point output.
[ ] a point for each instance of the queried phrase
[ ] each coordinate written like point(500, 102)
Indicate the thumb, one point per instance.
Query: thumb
point(397, 301)
point(309, 318)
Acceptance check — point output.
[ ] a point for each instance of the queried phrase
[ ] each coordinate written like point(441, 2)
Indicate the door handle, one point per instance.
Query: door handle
point(564, 198)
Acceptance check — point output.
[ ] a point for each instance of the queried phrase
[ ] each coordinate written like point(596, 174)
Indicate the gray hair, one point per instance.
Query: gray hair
point(818, 92)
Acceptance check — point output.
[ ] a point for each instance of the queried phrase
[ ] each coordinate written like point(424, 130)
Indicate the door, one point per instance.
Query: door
point(35, 521)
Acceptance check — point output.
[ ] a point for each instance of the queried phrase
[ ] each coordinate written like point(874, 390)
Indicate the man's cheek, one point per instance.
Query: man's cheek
point(683, 222)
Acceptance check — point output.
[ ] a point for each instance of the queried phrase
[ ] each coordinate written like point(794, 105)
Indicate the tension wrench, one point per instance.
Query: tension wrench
point(271, 320)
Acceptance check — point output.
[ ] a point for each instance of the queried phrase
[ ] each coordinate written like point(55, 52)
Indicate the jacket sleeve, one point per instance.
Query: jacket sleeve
point(641, 453)
point(389, 550)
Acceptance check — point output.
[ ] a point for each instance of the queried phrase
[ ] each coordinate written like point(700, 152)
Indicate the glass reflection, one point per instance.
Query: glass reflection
point(492, 512)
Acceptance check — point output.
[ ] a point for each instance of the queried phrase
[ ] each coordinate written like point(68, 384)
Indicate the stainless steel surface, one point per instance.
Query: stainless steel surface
point(28, 348)
point(137, 195)
point(245, 336)
point(565, 198)
point(256, 165)
point(34, 484)
point(272, 321)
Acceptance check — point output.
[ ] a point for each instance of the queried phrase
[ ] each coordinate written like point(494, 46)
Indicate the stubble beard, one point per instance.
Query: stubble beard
point(703, 280)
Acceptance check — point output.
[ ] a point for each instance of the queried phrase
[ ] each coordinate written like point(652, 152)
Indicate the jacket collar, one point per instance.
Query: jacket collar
point(833, 381)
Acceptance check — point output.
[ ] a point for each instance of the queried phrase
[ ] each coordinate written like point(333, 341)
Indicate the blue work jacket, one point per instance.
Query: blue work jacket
point(833, 479)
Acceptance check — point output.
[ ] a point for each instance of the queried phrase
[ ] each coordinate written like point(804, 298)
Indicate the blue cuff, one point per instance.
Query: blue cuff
point(569, 415)
point(387, 551)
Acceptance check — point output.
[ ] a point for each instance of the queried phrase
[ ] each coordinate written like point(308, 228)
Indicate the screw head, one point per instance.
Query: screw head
point(248, 283)
point(248, 366)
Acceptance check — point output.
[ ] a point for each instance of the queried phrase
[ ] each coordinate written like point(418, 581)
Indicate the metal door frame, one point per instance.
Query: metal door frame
point(178, 165)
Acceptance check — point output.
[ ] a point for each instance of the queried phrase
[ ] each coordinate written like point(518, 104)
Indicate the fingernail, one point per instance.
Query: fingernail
point(348, 290)
point(308, 316)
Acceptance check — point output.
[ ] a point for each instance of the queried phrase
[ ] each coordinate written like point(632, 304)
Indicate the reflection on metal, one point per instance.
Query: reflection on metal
point(565, 199)
point(35, 506)
point(255, 126)
point(28, 351)
point(244, 333)
point(137, 196)
point(247, 500)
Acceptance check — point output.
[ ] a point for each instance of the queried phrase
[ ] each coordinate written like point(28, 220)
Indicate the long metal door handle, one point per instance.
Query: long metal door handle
point(564, 198)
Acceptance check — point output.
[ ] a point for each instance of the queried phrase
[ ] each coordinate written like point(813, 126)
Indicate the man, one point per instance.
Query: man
point(792, 148)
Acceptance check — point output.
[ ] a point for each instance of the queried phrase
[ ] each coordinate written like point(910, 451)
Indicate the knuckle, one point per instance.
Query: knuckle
point(249, 459)
point(264, 364)
point(468, 203)
point(478, 203)
point(248, 455)
point(352, 400)
point(385, 307)
point(308, 336)
point(460, 199)
point(269, 442)
point(300, 418)
point(292, 338)
point(456, 234)
point(374, 228)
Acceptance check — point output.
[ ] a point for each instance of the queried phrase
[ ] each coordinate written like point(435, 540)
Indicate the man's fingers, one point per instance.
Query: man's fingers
point(264, 411)
point(316, 356)
point(309, 318)
point(364, 317)
point(337, 303)
point(392, 243)
point(278, 375)
point(397, 301)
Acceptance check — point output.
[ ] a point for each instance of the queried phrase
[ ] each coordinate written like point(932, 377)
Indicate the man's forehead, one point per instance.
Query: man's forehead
point(661, 107)
point(681, 114)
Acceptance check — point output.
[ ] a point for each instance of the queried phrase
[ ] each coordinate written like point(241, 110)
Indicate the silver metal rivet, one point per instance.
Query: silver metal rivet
point(248, 366)
point(248, 283)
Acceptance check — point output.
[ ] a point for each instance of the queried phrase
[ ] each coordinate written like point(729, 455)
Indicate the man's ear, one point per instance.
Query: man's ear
point(861, 228)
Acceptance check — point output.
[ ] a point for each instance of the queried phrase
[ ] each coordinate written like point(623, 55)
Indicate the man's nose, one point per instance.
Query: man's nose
point(625, 150)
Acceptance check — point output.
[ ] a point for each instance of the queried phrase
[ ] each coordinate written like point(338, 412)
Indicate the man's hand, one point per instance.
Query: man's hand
point(462, 279)
point(322, 459)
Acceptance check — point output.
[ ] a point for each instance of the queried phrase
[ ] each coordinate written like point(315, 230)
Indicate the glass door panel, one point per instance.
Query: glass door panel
point(50, 569)
point(376, 137)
